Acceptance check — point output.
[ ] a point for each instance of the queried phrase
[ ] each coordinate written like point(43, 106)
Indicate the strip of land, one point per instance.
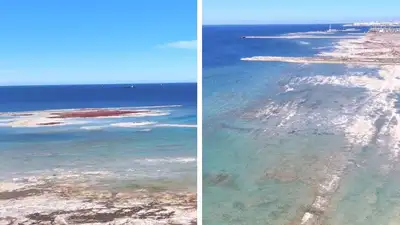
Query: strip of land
point(300, 37)
point(326, 60)
point(70, 116)
point(371, 49)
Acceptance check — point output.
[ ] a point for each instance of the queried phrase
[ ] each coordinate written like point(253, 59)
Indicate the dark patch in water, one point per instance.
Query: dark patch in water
point(394, 121)
point(379, 123)
point(240, 129)
point(49, 123)
point(318, 132)
point(184, 117)
point(397, 103)
point(221, 179)
point(316, 104)
point(239, 205)
point(169, 146)
point(267, 204)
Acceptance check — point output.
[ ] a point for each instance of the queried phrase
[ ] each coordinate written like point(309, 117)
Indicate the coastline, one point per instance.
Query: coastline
point(300, 37)
point(362, 112)
point(326, 60)
point(371, 49)
point(361, 130)
point(300, 143)
point(105, 165)
point(82, 204)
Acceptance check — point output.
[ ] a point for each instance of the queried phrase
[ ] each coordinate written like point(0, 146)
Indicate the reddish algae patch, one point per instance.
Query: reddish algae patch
point(94, 113)
point(49, 123)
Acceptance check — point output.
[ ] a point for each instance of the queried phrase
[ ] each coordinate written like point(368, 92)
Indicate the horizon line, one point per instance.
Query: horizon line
point(298, 23)
point(93, 84)
point(239, 24)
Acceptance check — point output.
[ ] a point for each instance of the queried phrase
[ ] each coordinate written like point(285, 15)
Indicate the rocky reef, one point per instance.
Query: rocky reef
point(74, 204)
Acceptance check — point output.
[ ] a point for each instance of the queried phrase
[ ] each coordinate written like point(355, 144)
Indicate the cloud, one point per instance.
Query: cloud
point(182, 44)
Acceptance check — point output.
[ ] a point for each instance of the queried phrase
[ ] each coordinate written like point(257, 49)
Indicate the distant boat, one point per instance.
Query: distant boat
point(131, 86)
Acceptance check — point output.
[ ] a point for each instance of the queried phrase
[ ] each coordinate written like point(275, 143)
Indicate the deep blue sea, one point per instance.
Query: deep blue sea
point(155, 150)
point(276, 135)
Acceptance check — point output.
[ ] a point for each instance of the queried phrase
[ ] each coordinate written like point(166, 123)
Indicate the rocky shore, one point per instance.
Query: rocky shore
point(363, 128)
point(371, 49)
point(327, 60)
point(77, 204)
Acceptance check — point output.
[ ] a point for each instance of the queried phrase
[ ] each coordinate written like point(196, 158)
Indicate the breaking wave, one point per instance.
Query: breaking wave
point(133, 124)
point(149, 124)
point(168, 160)
point(177, 125)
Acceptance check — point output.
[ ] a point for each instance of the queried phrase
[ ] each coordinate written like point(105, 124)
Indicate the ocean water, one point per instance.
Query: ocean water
point(155, 151)
point(277, 135)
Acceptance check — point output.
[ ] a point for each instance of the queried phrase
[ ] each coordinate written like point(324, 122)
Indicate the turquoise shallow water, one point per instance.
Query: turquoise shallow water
point(283, 140)
point(155, 152)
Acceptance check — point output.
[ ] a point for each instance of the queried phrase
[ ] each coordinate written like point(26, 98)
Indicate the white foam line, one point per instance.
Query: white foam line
point(133, 124)
point(176, 125)
point(88, 109)
point(168, 160)
point(155, 107)
point(93, 127)
point(133, 115)
point(139, 125)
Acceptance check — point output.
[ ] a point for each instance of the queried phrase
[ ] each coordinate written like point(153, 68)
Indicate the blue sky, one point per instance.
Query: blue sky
point(97, 41)
point(298, 11)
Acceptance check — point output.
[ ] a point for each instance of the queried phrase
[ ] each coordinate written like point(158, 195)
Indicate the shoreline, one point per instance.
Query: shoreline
point(85, 186)
point(361, 130)
point(49, 118)
point(371, 49)
point(82, 204)
point(325, 60)
point(300, 37)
